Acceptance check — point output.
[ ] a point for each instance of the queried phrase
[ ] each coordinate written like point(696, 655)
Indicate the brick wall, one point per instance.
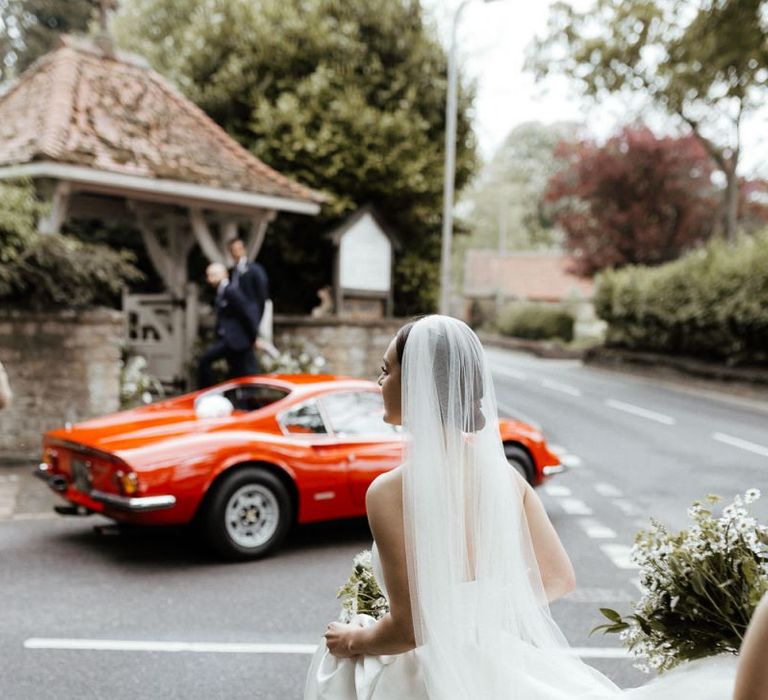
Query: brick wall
point(62, 366)
point(350, 346)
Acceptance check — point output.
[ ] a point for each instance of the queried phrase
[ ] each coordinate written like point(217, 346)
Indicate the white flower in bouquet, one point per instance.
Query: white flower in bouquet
point(700, 586)
point(361, 594)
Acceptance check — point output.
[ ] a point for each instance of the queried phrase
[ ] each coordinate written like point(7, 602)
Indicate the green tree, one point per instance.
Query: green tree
point(30, 28)
point(348, 97)
point(506, 201)
point(703, 61)
point(53, 271)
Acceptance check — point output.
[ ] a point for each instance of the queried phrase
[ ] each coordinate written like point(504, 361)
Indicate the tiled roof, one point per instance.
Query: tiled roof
point(78, 106)
point(535, 276)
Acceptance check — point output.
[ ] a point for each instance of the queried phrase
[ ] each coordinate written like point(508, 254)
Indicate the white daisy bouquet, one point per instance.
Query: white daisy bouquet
point(700, 586)
point(361, 594)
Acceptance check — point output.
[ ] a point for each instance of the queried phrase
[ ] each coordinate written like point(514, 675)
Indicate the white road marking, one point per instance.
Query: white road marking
point(512, 373)
point(571, 461)
point(640, 411)
point(563, 388)
point(619, 555)
point(566, 459)
point(741, 444)
point(608, 490)
point(36, 516)
point(241, 648)
point(557, 490)
point(626, 507)
point(146, 645)
point(575, 506)
point(596, 530)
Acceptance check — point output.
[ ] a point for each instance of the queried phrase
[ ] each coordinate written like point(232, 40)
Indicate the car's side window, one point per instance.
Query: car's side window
point(303, 420)
point(252, 397)
point(356, 413)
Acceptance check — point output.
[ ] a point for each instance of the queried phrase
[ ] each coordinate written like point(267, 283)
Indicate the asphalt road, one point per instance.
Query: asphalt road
point(636, 448)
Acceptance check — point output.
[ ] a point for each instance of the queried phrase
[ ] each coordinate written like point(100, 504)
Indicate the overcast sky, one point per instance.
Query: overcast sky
point(493, 37)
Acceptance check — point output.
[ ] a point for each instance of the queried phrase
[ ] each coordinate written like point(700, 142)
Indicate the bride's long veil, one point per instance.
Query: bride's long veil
point(481, 618)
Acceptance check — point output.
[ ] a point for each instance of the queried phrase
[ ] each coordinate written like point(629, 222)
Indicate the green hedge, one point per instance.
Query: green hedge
point(535, 321)
point(54, 271)
point(710, 303)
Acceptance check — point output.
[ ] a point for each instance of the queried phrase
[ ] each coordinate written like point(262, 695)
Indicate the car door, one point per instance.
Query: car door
point(320, 464)
point(369, 445)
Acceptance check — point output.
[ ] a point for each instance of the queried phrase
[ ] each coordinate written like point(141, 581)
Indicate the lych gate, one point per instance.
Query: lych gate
point(112, 140)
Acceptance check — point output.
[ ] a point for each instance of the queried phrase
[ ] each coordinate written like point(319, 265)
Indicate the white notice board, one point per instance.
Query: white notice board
point(365, 257)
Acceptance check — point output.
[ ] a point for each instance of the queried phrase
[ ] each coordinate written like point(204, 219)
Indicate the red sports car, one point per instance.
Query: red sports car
point(246, 459)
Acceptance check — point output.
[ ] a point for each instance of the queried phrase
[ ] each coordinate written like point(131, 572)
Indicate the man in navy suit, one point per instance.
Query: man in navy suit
point(237, 325)
point(249, 276)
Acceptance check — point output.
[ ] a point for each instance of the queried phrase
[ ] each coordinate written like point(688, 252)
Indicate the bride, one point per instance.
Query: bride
point(469, 559)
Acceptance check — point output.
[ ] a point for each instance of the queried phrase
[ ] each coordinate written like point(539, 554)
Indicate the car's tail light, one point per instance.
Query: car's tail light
point(127, 482)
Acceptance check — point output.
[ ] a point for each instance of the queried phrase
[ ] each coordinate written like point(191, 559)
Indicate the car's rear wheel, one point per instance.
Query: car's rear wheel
point(248, 515)
point(520, 460)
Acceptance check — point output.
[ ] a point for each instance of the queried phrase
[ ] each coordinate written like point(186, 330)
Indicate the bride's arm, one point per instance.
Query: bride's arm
point(752, 676)
point(557, 575)
point(393, 633)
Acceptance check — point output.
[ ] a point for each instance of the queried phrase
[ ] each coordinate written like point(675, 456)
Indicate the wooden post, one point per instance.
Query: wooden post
point(257, 232)
point(52, 222)
point(202, 234)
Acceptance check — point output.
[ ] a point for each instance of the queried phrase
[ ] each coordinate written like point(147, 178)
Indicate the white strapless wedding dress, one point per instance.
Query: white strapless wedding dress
point(399, 677)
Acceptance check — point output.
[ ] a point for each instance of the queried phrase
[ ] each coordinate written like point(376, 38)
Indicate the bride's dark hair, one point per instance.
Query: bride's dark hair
point(470, 416)
point(401, 338)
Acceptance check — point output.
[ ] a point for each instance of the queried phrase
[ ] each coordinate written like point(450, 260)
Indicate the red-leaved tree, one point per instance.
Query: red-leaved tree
point(635, 199)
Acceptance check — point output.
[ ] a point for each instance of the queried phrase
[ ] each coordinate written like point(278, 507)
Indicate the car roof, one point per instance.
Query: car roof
point(306, 383)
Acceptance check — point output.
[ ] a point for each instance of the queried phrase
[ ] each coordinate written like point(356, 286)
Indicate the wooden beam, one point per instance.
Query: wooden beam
point(51, 223)
point(202, 233)
point(180, 241)
point(257, 232)
point(229, 231)
point(87, 206)
point(157, 254)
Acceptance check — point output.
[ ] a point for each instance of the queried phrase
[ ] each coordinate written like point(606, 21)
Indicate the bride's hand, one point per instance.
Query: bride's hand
point(338, 638)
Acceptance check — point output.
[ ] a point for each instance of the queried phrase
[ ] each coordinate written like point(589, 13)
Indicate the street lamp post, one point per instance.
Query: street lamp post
point(449, 176)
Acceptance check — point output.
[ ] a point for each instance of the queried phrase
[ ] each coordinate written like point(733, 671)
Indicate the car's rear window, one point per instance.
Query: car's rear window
point(252, 397)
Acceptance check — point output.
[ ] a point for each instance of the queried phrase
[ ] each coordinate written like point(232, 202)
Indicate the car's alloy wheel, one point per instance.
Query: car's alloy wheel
point(252, 515)
point(519, 459)
point(248, 515)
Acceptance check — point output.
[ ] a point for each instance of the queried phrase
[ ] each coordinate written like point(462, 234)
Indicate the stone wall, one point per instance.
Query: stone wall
point(62, 366)
point(350, 346)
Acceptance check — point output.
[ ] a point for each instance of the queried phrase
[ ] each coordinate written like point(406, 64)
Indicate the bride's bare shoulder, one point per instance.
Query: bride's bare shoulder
point(387, 486)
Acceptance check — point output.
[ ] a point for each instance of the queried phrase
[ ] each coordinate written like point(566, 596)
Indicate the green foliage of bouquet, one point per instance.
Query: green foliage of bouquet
point(361, 594)
point(700, 585)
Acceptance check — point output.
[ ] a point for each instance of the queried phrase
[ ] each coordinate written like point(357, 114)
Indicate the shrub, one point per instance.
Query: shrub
point(60, 272)
point(53, 271)
point(536, 322)
point(711, 303)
